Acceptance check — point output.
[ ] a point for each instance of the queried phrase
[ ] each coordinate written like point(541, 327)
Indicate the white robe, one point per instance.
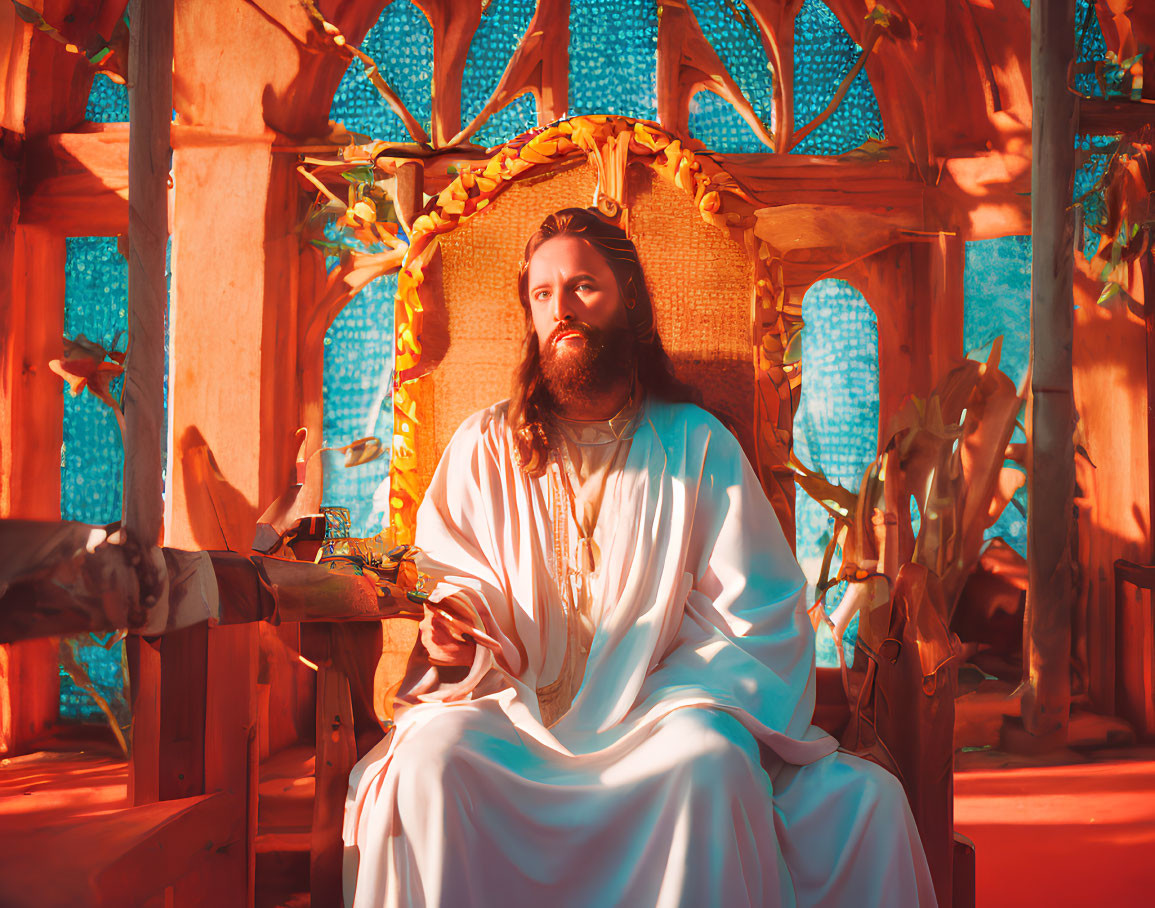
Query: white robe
point(651, 789)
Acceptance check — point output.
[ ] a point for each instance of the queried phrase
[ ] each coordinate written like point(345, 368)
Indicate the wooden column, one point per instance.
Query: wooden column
point(150, 116)
point(1050, 447)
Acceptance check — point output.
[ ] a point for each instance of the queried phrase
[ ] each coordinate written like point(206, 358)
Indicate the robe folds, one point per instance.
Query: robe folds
point(686, 771)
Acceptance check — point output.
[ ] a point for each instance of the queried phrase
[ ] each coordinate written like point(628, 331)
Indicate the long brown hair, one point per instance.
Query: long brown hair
point(530, 402)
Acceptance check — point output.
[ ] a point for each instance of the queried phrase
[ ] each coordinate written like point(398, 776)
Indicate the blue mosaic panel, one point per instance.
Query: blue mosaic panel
point(107, 101)
point(517, 117)
point(358, 402)
point(823, 54)
point(1093, 153)
point(836, 426)
point(108, 674)
point(92, 455)
point(1091, 48)
point(739, 47)
point(401, 44)
point(502, 27)
point(997, 301)
point(613, 49)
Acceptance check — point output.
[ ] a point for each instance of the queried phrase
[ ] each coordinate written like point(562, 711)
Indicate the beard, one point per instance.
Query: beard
point(583, 372)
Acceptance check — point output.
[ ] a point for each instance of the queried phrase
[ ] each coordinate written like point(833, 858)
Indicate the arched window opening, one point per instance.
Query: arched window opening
point(836, 426)
point(613, 49)
point(92, 457)
point(997, 301)
point(738, 44)
point(401, 44)
point(358, 384)
point(503, 25)
point(823, 55)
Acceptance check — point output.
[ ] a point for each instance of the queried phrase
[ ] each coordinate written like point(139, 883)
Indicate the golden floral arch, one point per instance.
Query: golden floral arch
point(610, 144)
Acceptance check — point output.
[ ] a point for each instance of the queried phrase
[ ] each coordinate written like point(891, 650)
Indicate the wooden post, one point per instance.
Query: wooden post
point(150, 116)
point(1147, 274)
point(1051, 422)
point(31, 412)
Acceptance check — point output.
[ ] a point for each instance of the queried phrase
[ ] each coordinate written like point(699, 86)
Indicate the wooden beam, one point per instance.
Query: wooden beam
point(1101, 117)
point(1051, 420)
point(52, 585)
point(77, 182)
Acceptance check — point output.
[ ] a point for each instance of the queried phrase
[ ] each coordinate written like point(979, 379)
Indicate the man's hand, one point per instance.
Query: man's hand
point(446, 635)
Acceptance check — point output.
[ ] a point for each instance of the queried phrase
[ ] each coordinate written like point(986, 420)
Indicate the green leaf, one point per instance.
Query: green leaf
point(361, 174)
point(1111, 289)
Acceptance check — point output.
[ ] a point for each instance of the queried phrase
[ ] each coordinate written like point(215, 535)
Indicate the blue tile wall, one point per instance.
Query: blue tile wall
point(836, 426)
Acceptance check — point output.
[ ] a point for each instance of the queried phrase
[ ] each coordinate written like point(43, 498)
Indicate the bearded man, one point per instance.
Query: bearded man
point(612, 694)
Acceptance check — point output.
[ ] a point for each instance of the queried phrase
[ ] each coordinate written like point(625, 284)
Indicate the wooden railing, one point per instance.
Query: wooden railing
point(63, 578)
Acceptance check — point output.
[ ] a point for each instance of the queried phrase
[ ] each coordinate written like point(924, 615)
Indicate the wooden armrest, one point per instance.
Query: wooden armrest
point(118, 858)
point(1140, 575)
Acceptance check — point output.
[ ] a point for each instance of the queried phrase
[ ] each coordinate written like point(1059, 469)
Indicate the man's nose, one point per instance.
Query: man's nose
point(564, 308)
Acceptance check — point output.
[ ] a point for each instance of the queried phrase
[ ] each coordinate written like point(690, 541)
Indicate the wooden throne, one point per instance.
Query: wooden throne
point(721, 307)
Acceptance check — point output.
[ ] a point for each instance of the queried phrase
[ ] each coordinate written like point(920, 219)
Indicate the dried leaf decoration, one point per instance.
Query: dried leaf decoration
point(361, 451)
point(947, 454)
point(86, 364)
point(1127, 188)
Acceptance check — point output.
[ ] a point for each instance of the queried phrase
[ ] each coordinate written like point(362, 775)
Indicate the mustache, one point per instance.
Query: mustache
point(586, 330)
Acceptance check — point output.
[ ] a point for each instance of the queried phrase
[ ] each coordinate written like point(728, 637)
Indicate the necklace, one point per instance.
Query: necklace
point(573, 581)
point(586, 433)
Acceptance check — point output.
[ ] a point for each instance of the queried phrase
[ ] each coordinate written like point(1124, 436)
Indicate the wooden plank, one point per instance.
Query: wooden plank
point(184, 667)
point(31, 428)
point(1051, 418)
point(144, 673)
point(78, 181)
point(1101, 117)
point(336, 754)
point(29, 693)
point(231, 761)
point(117, 858)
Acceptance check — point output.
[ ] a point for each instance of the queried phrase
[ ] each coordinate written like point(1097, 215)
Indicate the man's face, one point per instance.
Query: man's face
point(580, 319)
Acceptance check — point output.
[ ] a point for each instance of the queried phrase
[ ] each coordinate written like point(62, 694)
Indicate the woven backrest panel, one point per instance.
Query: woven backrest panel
point(701, 282)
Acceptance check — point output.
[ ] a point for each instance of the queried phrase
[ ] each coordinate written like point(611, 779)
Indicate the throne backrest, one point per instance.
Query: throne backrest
point(472, 326)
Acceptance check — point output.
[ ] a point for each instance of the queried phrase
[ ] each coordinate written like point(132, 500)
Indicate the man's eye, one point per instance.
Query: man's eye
point(541, 296)
point(585, 287)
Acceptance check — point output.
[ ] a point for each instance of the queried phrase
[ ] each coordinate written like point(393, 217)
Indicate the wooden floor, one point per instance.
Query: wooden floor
point(1071, 834)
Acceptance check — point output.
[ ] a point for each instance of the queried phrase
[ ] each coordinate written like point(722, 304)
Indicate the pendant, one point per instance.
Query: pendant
point(586, 555)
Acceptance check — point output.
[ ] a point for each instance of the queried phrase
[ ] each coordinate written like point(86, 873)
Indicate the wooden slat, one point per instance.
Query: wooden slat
point(116, 859)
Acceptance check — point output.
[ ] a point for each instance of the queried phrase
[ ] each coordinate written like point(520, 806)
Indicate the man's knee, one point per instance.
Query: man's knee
point(425, 756)
point(714, 743)
point(879, 794)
